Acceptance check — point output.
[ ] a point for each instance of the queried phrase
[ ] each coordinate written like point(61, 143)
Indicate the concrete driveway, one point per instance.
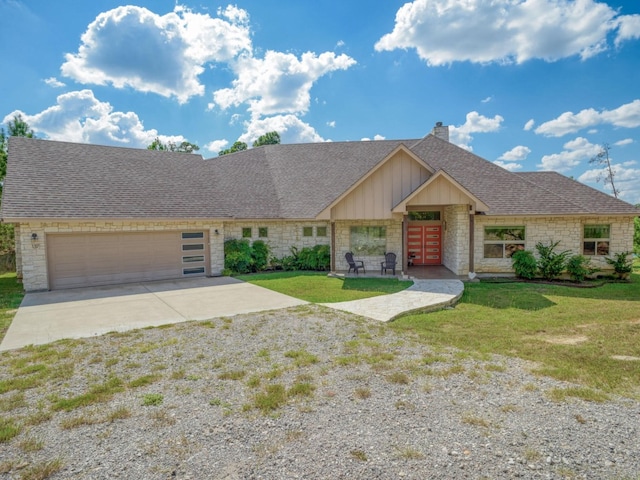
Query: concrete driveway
point(84, 312)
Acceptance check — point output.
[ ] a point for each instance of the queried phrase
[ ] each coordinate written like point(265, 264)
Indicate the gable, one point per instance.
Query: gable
point(375, 195)
point(440, 189)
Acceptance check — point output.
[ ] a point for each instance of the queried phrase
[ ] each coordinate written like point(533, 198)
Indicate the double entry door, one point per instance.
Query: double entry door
point(424, 244)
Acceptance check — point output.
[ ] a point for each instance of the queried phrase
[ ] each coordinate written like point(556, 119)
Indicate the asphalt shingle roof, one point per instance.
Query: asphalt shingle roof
point(47, 179)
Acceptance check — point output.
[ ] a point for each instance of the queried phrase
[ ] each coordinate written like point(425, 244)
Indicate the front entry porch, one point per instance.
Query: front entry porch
point(433, 272)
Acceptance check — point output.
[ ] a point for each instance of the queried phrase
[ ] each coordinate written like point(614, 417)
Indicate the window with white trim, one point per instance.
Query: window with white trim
point(596, 240)
point(369, 240)
point(502, 242)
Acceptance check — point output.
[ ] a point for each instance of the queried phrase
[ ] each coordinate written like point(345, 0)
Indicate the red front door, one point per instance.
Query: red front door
point(424, 244)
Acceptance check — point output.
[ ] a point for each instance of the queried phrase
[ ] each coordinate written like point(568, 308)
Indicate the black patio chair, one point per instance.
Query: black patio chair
point(354, 265)
point(388, 264)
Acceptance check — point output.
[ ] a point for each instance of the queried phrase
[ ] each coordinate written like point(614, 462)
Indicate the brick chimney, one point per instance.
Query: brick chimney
point(441, 131)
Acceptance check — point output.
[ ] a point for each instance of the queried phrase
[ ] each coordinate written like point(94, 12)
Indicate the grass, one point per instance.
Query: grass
point(11, 294)
point(573, 334)
point(317, 287)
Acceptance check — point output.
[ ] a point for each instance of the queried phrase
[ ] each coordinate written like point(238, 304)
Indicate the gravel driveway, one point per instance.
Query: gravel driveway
point(359, 401)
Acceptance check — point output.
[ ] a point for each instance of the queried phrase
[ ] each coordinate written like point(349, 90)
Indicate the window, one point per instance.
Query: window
point(369, 240)
point(502, 242)
point(193, 270)
point(263, 232)
point(307, 231)
point(192, 258)
point(321, 231)
point(190, 235)
point(246, 232)
point(414, 215)
point(596, 240)
point(192, 246)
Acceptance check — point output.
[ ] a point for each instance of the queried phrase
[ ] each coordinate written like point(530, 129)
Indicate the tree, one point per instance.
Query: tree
point(15, 128)
point(602, 158)
point(270, 138)
point(183, 147)
point(236, 147)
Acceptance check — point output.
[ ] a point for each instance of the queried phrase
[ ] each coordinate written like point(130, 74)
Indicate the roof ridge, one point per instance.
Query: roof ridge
point(101, 145)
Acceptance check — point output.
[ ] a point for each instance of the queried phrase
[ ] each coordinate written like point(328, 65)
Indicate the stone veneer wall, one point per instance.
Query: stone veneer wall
point(282, 235)
point(18, 252)
point(455, 239)
point(567, 230)
point(32, 262)
point(371, 263)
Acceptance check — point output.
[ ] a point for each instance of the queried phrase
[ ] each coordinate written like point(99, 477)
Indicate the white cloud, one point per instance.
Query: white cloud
point(280, 82)
point(626, 141)
point(79, 117)
point(529, 125)
point(54, 82)
point(628, 28)
point(475, 123)
point(625, 179)
point(575, 152)
point(511, 166)
point(486, 100)
point(216, 145)
point(131, 46)
point(378, 137)
point(290, 128)
point(516, 154)
point(331, 124)
point(627, 115)
point(504, 31)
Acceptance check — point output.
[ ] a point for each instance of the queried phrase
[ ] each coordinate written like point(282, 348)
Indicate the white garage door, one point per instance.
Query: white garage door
point(88, 259)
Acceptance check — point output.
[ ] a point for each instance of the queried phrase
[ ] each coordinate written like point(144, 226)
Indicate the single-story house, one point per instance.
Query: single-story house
point(96, 215)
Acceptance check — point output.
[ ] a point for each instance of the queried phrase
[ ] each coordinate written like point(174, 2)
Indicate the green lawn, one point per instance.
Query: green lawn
point(572, 333)
point(319, 288)
point(11, 294)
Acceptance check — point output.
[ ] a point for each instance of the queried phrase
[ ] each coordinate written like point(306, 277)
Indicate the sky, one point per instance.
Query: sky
point(528, 84)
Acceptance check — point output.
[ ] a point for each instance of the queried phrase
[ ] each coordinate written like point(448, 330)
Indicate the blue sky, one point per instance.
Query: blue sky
point(529, 84)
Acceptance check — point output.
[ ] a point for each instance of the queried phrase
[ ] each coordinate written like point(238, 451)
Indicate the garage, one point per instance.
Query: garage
point(92, 259)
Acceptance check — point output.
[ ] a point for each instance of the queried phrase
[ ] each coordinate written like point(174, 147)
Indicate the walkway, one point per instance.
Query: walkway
point(422, 296)
point(84, 312)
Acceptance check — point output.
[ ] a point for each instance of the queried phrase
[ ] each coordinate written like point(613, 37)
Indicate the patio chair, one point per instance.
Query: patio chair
point(354, 265)
point(388, 264)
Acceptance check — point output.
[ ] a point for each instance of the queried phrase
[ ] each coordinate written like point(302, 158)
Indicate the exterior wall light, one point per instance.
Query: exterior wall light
point(35, 241)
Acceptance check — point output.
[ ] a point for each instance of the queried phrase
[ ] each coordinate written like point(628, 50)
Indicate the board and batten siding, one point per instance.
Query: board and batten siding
point(374, 198)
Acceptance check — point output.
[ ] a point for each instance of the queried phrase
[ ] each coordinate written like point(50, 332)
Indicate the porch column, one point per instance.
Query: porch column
point(333, 246)
point(472, 222)
point(405, 259)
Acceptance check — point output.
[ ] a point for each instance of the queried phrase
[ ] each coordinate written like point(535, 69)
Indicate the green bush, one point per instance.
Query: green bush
point(316, 258)
point(241, 257)
point(237, 256)
point(550, 263)
point(524, 264)
point(260, 252)
point(579, 268)
point(622, 265)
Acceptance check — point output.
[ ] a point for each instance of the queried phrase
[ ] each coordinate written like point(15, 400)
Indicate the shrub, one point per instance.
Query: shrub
point(622, 265)
point(524, 264)
point(551, 264)
point(316, 258)
point(237, 255)
point(579, 268)
point(260, 255)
